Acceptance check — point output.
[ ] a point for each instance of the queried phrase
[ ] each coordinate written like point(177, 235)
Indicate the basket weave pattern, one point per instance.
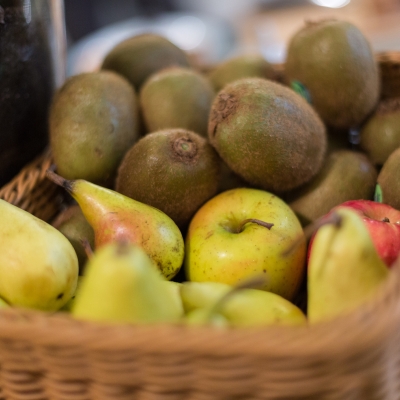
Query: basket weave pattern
point(32, 191)
point(389, 65)
point(44, 356)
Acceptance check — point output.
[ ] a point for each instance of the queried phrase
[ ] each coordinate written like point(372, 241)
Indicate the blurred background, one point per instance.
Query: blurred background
point(212, 30)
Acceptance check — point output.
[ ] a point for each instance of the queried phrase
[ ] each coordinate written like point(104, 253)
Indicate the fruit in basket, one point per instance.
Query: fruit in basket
point(3, 304)
point(121, 285)
point(93, 121)
point(74, 226)
point(344, 269)
point(332, 62)
point(345, 175)
point(177, 98)
point(174, 289)
point(243, 232)
point(383, 224)
point(206, 317)
point(68, 305)
point(115, 217)
point(241, 308)
point(267, 134)
point(380, 135)
point(173, 170)
point(389, 180)
point(202, 294)
point(140, 56)
point(243, 66)
point(38, 265)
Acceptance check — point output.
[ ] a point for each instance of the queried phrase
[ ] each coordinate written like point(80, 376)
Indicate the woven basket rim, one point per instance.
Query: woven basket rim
point(388, 56)
point(368, 325)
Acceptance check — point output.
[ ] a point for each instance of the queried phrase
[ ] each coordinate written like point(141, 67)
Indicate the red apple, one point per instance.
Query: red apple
point(383, 223)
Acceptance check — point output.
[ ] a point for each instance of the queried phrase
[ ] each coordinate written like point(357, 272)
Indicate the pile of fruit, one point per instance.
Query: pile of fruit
point(228, 196)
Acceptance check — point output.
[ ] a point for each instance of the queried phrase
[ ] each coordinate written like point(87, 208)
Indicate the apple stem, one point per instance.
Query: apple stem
point(310, 229)
point(386, 219)
point(267, 225)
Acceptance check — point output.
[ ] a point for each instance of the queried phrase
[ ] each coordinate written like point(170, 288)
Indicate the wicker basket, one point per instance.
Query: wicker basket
point(389, 65)
point(43, 356)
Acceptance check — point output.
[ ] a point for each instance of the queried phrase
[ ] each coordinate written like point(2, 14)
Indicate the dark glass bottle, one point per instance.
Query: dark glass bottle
point(31, 63)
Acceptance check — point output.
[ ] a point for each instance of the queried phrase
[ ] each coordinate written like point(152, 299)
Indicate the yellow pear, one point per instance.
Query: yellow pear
point(241, 307)
point(115, 217)
point(344, 269)
point(38, 265)
point(206, 317)
point(3, 304)
point(121, 285)
point(68, 305)
point(175, 290)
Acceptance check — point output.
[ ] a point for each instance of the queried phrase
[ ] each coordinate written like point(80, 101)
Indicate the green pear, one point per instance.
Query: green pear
point(38, 265)
point(344, 269)
point(202, 294)
point(241, 307)
point(206, 317)
point(121, 285)
point(115, 217)
point(175, 290)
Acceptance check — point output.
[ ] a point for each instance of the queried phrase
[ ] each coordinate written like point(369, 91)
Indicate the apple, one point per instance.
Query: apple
point(243, 232)
point(383, 223)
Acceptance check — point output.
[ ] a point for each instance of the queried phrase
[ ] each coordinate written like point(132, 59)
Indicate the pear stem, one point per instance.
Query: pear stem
point(59, 180)
point(310, 229)
point(255, 282)
point(267, 225)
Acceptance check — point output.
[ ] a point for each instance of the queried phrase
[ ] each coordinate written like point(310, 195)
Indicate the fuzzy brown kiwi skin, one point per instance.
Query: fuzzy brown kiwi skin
point(267, 134)
point(173, 170)
point(176, 97)
point(73, 225)
point(335, 63)
point(244, 66)
point(389, 180)
point(380, 135)
point(140, 56)
point(94, 119)
point(345, 175)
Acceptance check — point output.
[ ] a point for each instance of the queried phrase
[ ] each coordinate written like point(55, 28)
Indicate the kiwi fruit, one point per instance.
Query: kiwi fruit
point(389, 180)
point(346, 175)
point(177, 98)
point(174, 170)
point(267, 134)
point(140, 56)
point(380, 135)
point(332, 64)
point(243, 66)
point(74, 226)
point(93, 121)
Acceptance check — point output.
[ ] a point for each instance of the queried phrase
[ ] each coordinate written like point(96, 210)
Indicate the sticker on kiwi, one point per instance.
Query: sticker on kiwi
point(299, 88)
point(378, 195)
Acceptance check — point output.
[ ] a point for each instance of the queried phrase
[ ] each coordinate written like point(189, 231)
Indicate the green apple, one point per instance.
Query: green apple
point(245, 232)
